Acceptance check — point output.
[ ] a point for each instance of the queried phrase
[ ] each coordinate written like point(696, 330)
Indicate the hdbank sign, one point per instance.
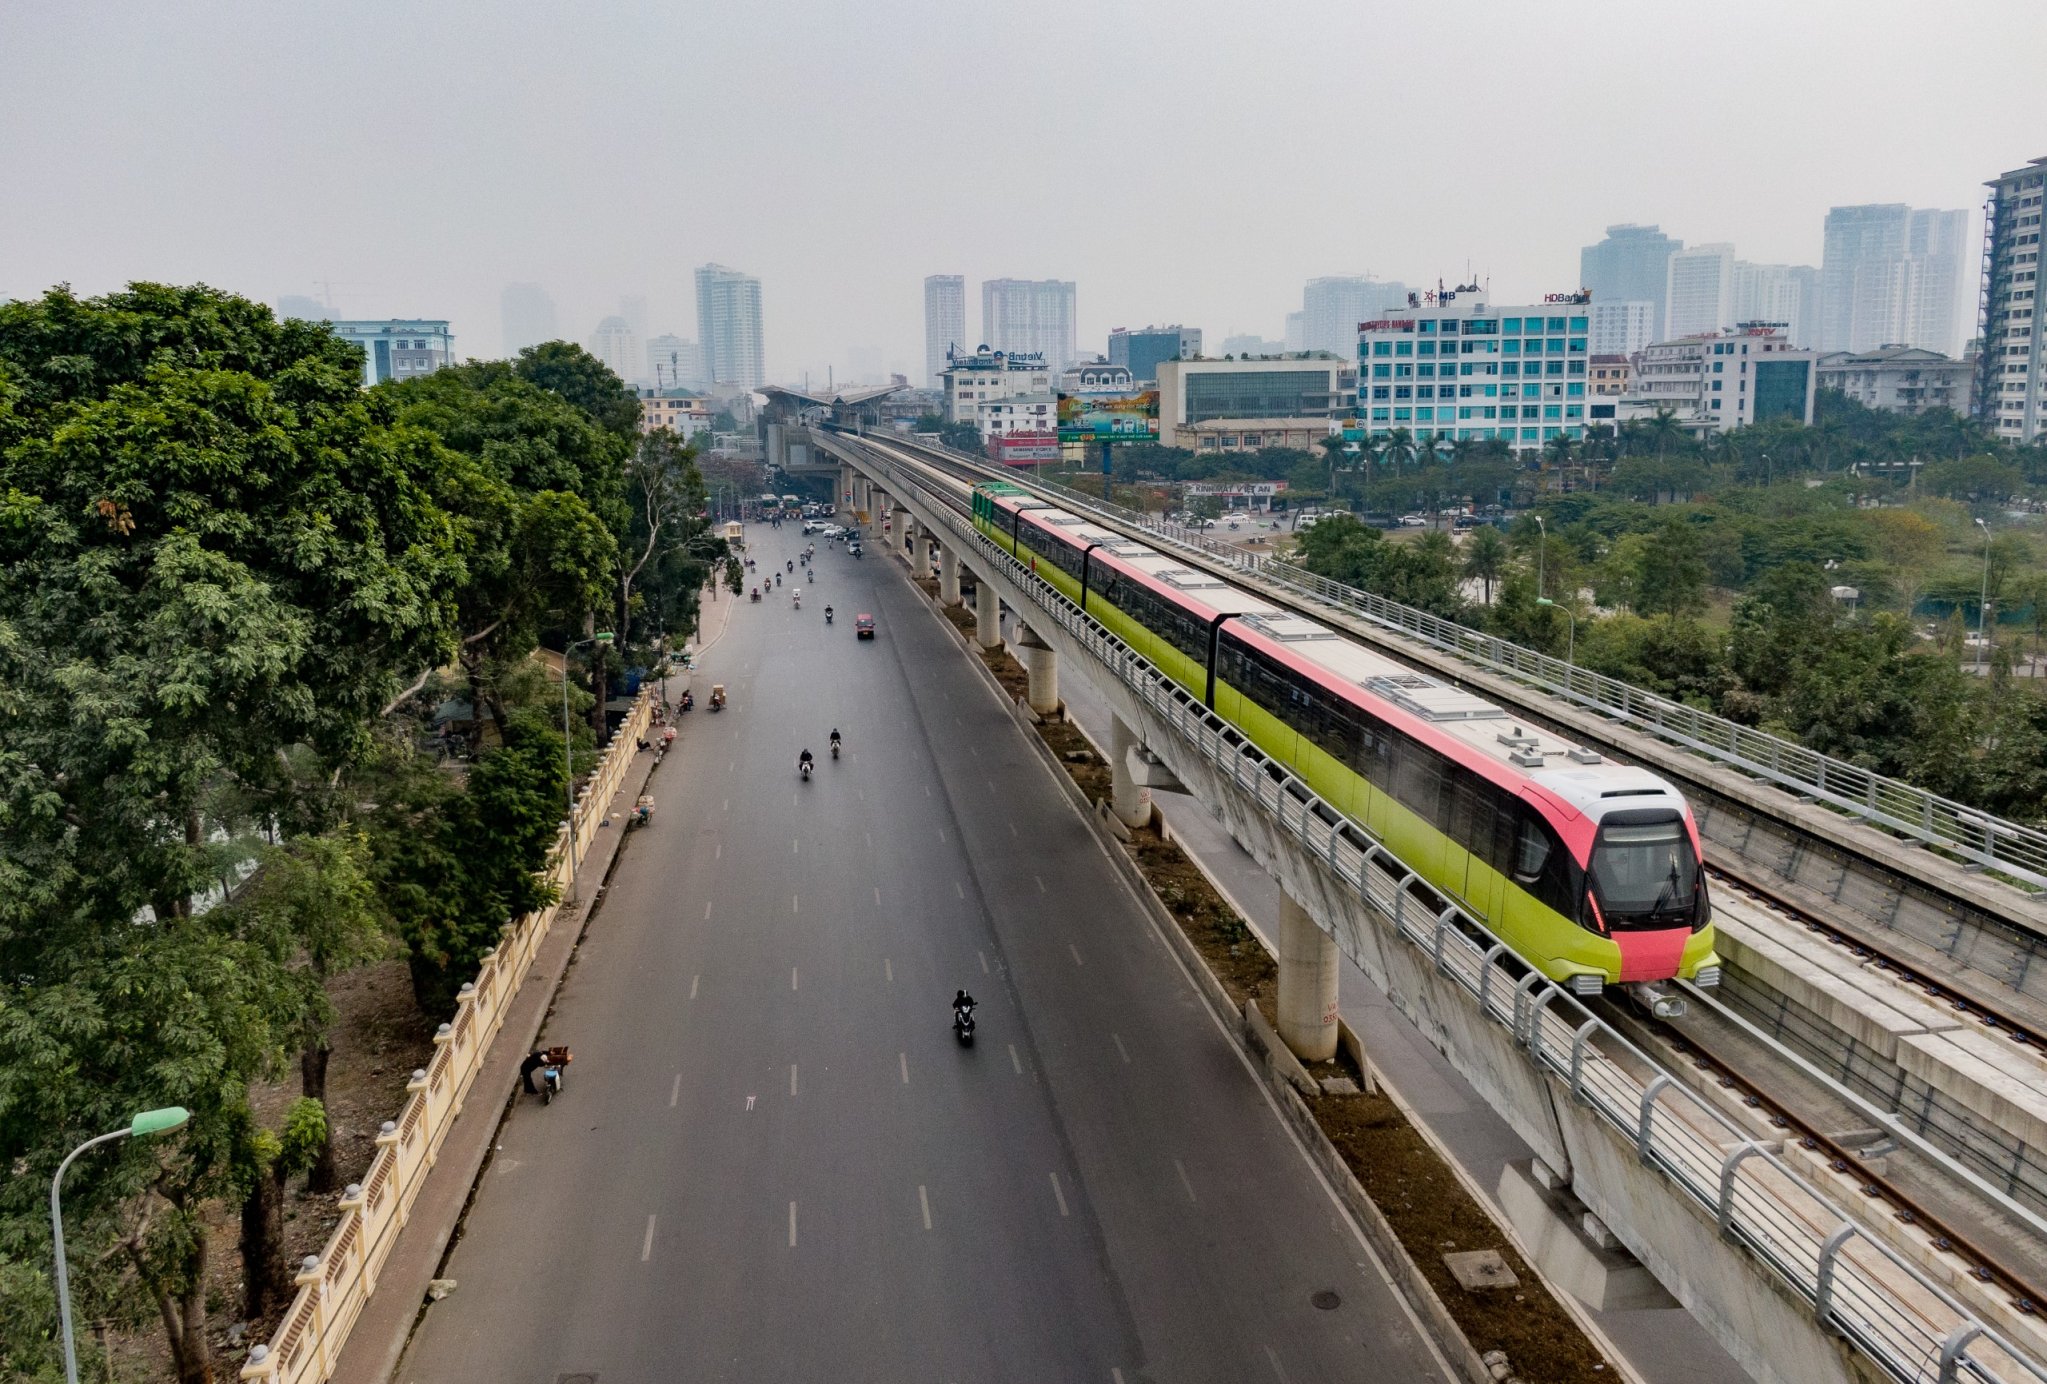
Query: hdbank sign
point(1109, 417)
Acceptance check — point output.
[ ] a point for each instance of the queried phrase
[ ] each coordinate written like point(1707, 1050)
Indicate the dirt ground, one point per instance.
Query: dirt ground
point(1421, 1198)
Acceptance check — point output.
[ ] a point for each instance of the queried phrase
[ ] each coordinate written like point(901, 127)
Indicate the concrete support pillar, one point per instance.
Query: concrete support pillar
point(987, 614)
point(1307, 984)
point(1042, 664)
point(1128, 799)
point(908, 534)
point(948, 576)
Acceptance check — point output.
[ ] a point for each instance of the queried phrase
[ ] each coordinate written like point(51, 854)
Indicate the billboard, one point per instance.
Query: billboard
point(1109, 417)
point(1024, 449)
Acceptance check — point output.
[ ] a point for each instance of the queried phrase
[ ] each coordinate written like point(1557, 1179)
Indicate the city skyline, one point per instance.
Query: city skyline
point(151, 129)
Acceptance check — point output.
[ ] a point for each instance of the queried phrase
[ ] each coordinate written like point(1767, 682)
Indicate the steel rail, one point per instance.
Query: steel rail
point(1851, 1280)
point(2012, 848)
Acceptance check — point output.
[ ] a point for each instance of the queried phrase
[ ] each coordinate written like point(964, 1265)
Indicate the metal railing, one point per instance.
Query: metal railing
point(1855, 1285)
point(2011, 848)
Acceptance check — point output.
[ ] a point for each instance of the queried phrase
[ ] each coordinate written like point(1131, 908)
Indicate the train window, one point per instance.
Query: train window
point(1531, 851)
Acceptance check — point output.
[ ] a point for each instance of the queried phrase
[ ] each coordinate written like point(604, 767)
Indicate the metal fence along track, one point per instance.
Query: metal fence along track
point(1856, 1286)
point(2011, 848)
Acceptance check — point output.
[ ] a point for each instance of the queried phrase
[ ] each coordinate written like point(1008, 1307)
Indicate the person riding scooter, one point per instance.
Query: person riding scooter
point(803, 763)
point(827, 615)
point(835, 742)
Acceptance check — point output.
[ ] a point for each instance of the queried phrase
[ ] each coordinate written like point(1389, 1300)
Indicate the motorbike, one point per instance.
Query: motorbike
point(778, 578)
point(828, 615)
point(756, 595)
point(797, 601)
point(835, 749)
point(963, 1026)
point(717, 696)
point(548, 1077)
point(685, 704)
point(643, 812)
point(792, 564)
point(804, 766)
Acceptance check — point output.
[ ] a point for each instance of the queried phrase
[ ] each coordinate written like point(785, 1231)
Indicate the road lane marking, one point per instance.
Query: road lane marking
point(647, 1245)
point(725, 806)
point(877, 896)
point(1013, 831)
point(903, 1061)
point(984, 961)
point(1120, 1048)
point(792, 977)
point(675, 1091)
point(1059, 1194)
point(795, 848)
point(794, 901)
point(870, 839)
point(959, 889)
point(1076, 953)
point(889, 969)
point(707, 910)
point(1014, 1061)
point(941, 833)
point(924, 1202)
point(719, 853)
point(693, 985)
point(1115, 1377)
point(1185, 1181)
point(991, 784)
point(974, 752)
point(927, 790)
point(862, 792)
point(749, 1102)
point(1277, 1369)
point(730, 765)
point(792, 1225)
point(1041, 883)
point(792, 1078)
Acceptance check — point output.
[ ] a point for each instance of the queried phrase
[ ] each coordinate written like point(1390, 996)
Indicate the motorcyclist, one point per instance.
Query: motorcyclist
point(962, 1004)
point(805, 760)
point(827, 615)
point(778, 578)
point(835, 739)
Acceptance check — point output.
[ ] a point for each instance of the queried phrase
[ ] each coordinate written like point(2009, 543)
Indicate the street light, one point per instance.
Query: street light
point(1541, 555)
point(146, 1123)
point(1983, 602)
point(568, 767)
point(1571, 638)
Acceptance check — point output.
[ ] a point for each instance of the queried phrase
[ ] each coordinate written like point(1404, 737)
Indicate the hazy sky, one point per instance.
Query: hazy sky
point(1191, 160)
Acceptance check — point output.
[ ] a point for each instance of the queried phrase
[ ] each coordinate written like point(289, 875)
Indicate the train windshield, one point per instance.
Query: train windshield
point(1645, 873)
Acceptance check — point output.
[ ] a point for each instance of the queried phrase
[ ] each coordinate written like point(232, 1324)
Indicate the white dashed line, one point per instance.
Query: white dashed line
point(707, 910)
point(1041, 883)
point(1056, 1192)
point(924, 1202)
point(725, 806)
point(1014, 1060)
point(792, 1078)
point(1013, 831)
point(792, 977)
point(792, 1225)
point(903, 1061)
point(1120, 1048)
point(984, 962)
point(870, 839)
point(877, 896)
point(647, 1245)
point(718, 853)
point(1181, 1169)
point(795, 848)
point(1076, 953)
point(941, 833)
point(693, 985)
point(675, 1091)
point(959, 888)
point(888, 969)
point(794, 899)
point(1277, 1369)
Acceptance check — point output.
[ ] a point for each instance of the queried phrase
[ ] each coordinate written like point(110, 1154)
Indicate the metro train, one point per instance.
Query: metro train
point(1589, 870)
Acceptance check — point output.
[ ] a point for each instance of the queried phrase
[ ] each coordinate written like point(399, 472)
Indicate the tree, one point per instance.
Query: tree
point(1670, 576)
point(667, 495)
point(585, 381)
point(219, 556)
point(1485, 557)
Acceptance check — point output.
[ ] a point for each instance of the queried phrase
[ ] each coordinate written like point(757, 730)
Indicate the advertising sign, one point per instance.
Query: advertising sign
point(1024, 449)
point(1109, 417)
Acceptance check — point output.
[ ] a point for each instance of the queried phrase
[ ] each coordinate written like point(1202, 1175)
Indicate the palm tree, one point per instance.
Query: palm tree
point(1664, 429)
point(1485, 557)
point(1398, 448)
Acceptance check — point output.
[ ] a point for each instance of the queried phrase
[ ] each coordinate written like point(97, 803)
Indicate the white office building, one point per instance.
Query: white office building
point(1031, 317)
point(1471, 371)
point(1036, 413)
point(1332, 307)
point(1314, 385)
point(729, 326)
point(618, 346)
point(2011, 379)
point(1699, 293)
point(399, 348)
point(1622, 328)
point(945, 322)
point(974, 379)
point(1718, 381)
point(1900, 379)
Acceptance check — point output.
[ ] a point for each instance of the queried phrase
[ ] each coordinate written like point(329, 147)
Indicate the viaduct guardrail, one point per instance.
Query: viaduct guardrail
point(334, 1285)
point(1855, 1286)
point(2012, 848)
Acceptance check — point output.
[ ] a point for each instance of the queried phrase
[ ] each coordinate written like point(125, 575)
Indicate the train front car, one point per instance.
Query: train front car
point(1640, 885)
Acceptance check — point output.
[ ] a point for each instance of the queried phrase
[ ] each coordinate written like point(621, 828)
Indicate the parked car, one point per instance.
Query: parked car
point(1414, 521)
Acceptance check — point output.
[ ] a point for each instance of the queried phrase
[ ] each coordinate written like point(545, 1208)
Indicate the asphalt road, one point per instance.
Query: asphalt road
point(773, 1162)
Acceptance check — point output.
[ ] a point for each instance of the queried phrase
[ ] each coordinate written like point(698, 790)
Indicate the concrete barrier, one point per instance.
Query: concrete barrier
point(335, 1284)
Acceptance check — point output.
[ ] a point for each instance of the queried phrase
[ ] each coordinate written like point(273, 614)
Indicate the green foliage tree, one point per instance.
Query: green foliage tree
point(1670, 573)
point(1485, 557)
point(572, 373)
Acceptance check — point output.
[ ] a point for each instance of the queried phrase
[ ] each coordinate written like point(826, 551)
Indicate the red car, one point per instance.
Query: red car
point(863, 626)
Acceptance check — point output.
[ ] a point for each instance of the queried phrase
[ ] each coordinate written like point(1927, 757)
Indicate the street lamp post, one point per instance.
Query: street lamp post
point(1983, 601)
point(568, 765)
point(1571, 635)
point(1541, 555)
point(146, 1123)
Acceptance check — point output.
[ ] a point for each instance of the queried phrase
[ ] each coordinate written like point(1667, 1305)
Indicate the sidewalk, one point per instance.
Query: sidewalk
point(377, 1341)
